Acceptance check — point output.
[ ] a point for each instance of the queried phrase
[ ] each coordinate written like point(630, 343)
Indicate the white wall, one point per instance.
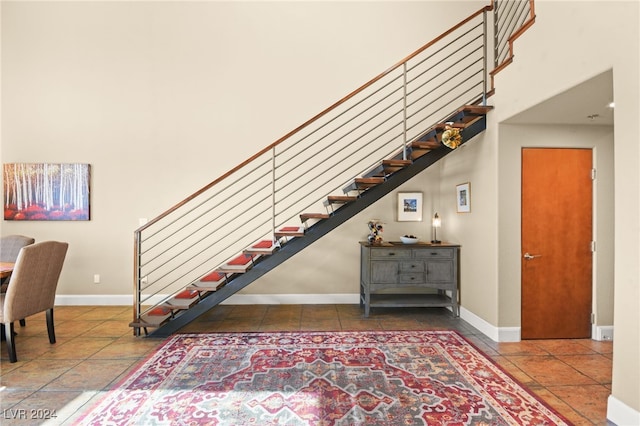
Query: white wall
point(571, 42)
point(163, 97)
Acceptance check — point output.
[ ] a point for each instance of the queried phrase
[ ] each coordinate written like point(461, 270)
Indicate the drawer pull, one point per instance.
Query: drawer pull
point(392, 254)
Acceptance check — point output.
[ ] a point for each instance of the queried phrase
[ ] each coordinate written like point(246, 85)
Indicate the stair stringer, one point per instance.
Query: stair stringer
point(314, 233)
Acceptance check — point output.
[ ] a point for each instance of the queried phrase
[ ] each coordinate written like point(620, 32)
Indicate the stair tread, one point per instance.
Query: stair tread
point(210, 282)
point(470, 114)
point(370, 179)
point(159, 311)
point(367, 182)
point(183, 300)
point(305, 216)
point(290, 231)
point(186, 295)
point(262, 247)
point(182, 304)
point(240, 260)
point(476, 109)
point(264, 244)
point(150, 321)
point(341, 198)
point(239, 264)
point(392, 166)
point(429, 145)
point(154, 318)
point(397, 163)
point(468, 120)
point(455, 124)
point(214, 276)
point(206, 286)
point(235, 269)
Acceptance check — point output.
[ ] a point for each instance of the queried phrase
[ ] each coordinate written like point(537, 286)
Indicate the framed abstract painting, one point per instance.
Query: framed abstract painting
point(46, 191)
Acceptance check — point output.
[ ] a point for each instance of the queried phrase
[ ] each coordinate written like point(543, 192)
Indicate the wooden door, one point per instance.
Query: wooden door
point(557, 259)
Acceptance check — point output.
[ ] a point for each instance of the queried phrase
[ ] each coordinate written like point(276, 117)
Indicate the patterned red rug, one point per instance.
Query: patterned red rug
point(319, 378)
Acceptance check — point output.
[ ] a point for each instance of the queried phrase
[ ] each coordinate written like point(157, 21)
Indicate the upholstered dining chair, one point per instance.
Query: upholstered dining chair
point(32, 288)
point(10, 246)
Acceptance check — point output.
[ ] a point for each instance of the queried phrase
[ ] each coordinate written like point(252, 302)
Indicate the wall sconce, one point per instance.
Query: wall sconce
point(435, 224)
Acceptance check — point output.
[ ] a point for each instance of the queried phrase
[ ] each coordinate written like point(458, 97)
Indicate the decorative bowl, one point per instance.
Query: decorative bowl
point(409, 239)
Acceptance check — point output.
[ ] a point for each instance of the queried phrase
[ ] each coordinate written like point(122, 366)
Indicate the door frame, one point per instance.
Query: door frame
point(512, 138)
point(574, 327)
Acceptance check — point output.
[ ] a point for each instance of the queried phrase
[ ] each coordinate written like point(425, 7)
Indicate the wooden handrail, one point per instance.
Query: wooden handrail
point(316, 117)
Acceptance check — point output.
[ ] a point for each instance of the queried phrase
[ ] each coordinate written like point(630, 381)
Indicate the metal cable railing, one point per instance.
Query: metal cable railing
point(295, 174)
point(511, 18)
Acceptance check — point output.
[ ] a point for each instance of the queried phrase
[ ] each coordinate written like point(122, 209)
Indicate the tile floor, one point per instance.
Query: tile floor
point(95, 348)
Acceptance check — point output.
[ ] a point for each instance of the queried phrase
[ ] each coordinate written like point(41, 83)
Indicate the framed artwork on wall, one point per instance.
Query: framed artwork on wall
point(409, 206)
point(46, 191)
point(463, 197)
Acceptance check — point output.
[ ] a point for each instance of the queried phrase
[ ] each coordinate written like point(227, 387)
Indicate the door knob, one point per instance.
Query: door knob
point(531, 256)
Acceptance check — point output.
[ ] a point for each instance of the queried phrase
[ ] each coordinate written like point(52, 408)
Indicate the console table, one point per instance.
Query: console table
point(393, 274)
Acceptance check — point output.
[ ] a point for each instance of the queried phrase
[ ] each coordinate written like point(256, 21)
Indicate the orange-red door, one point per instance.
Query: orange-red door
point(557, 258)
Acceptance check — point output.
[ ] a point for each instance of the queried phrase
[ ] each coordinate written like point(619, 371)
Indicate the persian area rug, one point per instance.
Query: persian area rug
point(319, 378)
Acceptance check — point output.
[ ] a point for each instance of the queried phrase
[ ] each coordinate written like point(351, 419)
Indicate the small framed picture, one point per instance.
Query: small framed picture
point(463, 197)
point(409, 206)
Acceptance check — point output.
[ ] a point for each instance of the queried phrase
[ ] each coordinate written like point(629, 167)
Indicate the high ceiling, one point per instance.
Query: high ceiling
point(584, 104)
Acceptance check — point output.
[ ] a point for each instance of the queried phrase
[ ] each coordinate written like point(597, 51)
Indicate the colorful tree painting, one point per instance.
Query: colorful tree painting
point(34, 191)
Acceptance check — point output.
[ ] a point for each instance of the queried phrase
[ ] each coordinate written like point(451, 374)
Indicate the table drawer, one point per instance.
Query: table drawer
point(411, 278)
point(412, 266)
point(433, 253)
point(390, 253)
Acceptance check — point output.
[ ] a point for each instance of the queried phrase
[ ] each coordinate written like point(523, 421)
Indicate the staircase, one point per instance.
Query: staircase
point(259, 214)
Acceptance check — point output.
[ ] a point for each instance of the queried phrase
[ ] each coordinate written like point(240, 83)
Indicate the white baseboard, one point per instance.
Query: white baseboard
point(602, 332)
point(621, 414)
point(497, 334)
point(512, 334)
point(236, 299)
point(291, 299)
point(94, 300)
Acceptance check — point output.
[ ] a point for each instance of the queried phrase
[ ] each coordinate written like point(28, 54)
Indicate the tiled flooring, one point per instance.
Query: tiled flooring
point(95, 348)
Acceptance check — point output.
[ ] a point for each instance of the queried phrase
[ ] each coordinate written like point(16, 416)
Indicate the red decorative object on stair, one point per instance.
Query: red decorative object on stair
point(186, 294)
point(213, 277)
point(263, 244)
point(243, 259)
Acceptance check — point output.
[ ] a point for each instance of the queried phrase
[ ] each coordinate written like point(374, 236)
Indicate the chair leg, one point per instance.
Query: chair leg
point(11, 347)
point(50, 328)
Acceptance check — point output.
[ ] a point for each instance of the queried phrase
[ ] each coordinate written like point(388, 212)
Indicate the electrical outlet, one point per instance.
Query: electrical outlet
point(96, 279)
point(607, 333)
